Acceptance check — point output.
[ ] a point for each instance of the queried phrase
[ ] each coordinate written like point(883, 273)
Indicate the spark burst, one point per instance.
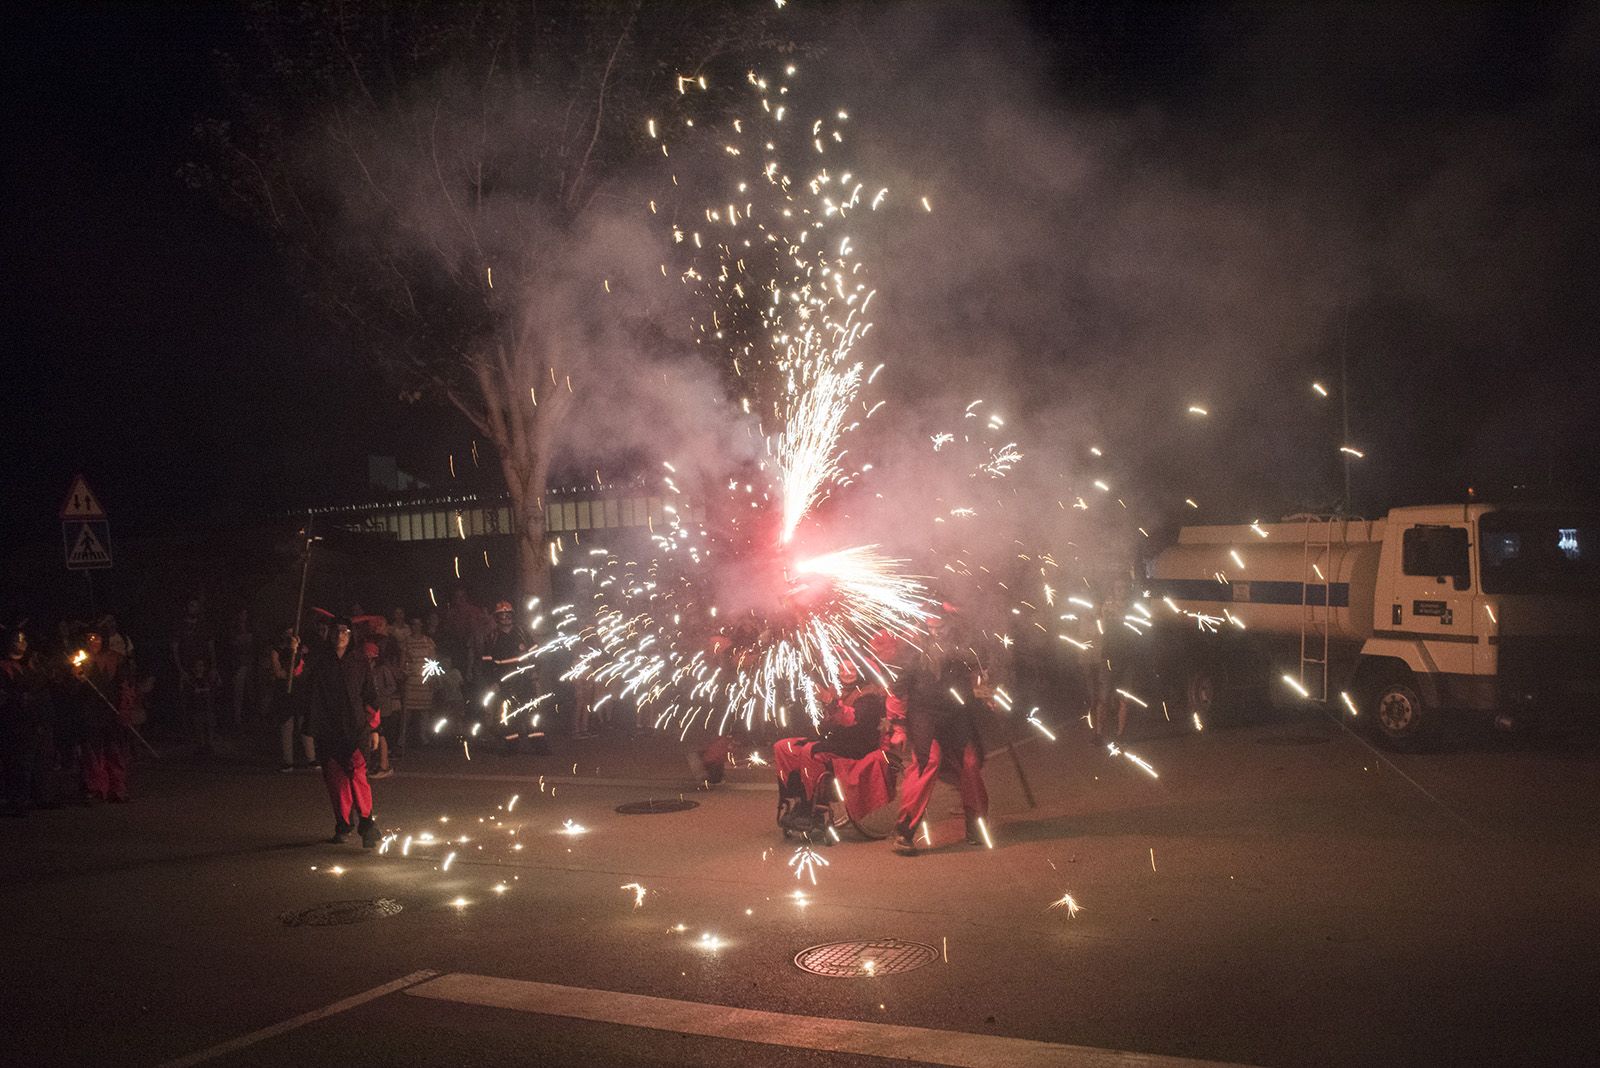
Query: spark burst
point(806, 861)
point(1065, 901)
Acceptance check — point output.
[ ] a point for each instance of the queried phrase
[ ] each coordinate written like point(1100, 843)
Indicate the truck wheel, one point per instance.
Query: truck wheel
point(1399, 718)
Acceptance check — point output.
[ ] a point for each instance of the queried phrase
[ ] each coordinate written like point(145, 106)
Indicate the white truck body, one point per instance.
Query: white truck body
point(1467, 607)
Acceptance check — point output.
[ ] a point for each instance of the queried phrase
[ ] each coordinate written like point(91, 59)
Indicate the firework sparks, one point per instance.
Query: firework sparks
point(638, 891)
point(805, 863)
point(1065, 901)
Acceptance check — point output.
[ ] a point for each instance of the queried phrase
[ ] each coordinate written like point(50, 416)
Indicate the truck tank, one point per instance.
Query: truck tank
point(1264, 574)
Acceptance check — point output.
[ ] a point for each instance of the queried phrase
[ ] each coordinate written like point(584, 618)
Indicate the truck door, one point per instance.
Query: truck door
point(1432, 598)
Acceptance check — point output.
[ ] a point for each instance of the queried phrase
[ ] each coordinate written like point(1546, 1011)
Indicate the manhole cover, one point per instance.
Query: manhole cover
point(651, 808)
point(864, 960)
point(1294, 739)
point(335, 913)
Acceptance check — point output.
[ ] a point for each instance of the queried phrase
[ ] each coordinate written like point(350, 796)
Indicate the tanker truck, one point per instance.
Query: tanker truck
point(1401, 622)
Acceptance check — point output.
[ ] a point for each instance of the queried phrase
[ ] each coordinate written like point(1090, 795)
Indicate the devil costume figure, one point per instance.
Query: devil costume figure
point(342, 705)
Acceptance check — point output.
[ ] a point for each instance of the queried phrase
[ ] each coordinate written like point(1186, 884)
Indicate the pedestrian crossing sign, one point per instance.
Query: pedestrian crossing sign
point(87, 544)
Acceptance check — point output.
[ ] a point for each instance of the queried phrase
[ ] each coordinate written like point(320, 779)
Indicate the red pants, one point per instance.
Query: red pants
point(916, 786)
point(105, 769)
point(346, 780)
point(794, 754)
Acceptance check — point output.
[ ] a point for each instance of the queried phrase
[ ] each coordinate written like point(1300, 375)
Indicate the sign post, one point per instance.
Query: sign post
point(85, 533)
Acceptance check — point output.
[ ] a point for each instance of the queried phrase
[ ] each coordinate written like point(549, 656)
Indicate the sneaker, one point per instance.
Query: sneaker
point(341, 834)
point(370, 836)
point(382, 773)
point(286, 768)
point(905, 845)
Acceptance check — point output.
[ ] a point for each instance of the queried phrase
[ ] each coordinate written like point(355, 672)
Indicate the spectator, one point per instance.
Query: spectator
point(399, 629)
point(386, 684)
point(288, 658)
point(416, 698)
point(585, 695)
point(464, 624)
point(1111, 672)
point(192, 643)
point(241, 646)
point(344, 715)
point(450, 697)
point(115, 640)
point(24, 725)
point(198, 700)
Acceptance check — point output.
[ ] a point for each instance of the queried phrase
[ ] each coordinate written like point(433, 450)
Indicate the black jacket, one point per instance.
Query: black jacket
point(339, 696)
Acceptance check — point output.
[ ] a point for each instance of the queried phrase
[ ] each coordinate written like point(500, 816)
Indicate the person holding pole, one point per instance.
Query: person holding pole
point(933, 701)
point(106, 753)
point(343, 706)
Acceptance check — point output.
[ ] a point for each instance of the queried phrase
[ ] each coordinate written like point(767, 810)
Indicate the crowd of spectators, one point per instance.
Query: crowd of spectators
point(78, 696)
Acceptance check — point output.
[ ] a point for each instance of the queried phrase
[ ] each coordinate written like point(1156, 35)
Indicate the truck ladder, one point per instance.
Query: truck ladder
point(1316, 618)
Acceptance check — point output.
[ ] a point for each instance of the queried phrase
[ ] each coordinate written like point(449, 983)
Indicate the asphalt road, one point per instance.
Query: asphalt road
point(1280, 895)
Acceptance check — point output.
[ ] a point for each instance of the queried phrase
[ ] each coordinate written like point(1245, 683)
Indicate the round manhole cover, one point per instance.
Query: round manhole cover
point(655, 806)
point(1294, 739)
point(335, 913)
point(864, 960)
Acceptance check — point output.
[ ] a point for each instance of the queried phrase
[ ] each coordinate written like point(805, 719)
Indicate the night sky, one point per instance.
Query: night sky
point(157, 345)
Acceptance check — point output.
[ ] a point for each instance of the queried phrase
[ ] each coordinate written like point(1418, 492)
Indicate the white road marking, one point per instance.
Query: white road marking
point(354, 1001)
point(891, 1041)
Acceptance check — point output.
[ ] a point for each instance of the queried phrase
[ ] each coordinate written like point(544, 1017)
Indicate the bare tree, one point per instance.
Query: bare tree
point(451, 182)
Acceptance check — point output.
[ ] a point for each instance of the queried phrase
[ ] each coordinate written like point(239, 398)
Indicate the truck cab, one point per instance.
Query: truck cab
point(1490, 609)
point(1432, 611)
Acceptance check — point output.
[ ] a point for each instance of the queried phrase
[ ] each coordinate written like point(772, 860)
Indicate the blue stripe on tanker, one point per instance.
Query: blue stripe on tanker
point(1242, 592)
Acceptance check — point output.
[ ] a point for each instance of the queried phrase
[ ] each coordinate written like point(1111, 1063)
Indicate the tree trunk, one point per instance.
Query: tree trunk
point(526, 483)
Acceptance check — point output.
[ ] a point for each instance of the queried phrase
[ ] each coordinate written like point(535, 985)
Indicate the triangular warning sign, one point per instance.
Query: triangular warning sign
point(81, 503)
point(87, 551)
